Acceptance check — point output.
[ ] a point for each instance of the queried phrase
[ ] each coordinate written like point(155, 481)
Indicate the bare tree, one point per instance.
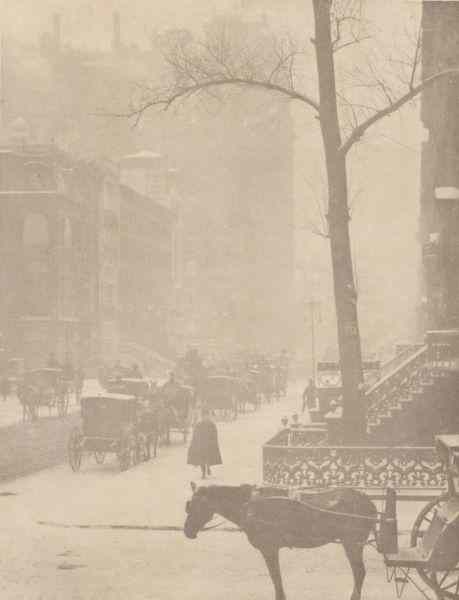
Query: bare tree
point(225, 58)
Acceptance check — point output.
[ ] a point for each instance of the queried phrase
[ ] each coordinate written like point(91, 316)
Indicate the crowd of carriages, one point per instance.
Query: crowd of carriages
point(226, 387)
point(238, 383)
point(49, 388)
point(163, 407)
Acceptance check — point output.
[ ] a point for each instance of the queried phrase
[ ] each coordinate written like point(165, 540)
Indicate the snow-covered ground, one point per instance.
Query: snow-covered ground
point(46, 562)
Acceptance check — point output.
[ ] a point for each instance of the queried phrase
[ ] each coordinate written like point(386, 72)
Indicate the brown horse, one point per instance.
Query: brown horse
point(274, 522)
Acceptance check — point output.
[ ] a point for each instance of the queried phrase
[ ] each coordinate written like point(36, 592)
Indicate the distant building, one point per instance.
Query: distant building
point(49, 254)
point(86, 261)
point(233, 249)
point(146, 274)
point(440, 167)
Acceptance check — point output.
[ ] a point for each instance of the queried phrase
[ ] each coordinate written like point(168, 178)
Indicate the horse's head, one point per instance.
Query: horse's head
point(199, 512)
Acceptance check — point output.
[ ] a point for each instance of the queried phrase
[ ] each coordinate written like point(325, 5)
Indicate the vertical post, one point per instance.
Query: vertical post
point(313, 340)
point(3, 84)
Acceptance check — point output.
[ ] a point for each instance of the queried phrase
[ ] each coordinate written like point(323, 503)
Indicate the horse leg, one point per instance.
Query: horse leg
point(354, 553)
point(271, 557)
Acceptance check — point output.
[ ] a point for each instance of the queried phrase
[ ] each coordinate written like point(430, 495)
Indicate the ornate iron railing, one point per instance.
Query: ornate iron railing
point(314, 435)
point(412, 468)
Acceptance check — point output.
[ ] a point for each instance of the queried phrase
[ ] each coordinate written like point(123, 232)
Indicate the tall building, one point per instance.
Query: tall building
point(440, 167)
point(86, 261)
point(49, 254)
point(146, 292)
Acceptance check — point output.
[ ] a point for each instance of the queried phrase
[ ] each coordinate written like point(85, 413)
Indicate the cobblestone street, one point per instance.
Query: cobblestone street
point(55, 563)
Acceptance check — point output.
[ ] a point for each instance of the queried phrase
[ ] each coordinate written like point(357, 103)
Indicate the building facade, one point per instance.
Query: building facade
point(86, 261)
point(146, 290)
point(439, 229)
point(48, 256)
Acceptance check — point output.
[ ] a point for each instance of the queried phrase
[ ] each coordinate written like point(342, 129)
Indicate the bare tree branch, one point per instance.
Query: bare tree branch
point(187, 91)
point(392, 107)
point(347, 24)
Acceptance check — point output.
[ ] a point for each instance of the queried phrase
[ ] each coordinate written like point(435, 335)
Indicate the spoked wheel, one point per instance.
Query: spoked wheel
point(124, 458)
point(62, 404)
point(142, 448)
point(75, 449)
point(100, 457)
point(444, 583)
point(148, 443)
point(128, 453)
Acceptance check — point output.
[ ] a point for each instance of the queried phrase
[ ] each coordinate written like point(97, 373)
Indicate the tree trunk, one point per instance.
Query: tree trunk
point(354, 413)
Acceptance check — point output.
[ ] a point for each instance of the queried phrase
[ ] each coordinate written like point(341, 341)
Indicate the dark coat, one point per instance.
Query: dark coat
point(204, 448)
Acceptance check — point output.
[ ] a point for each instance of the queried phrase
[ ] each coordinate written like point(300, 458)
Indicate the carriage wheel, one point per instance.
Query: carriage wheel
point(128, 453)
point(124, 457)
point(75, 449)
point(61, 408)
point(148, 443)
point(65, 404)
point(444, 583)
point(142, 448)
point(100, 457)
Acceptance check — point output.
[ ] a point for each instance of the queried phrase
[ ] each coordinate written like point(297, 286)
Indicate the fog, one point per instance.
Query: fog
point(384, 167)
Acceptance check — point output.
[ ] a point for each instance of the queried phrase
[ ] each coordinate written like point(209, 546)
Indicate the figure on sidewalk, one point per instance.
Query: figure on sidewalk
point(204, 450)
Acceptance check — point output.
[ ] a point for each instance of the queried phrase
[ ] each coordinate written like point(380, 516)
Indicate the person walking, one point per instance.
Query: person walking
point(204, 450)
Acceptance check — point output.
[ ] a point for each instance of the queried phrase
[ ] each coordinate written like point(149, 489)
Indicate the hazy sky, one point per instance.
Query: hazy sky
point(385, 168)
point(89, 21)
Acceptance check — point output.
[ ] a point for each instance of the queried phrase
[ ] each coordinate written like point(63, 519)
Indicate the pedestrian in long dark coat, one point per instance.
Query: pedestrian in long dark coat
point(204, 450)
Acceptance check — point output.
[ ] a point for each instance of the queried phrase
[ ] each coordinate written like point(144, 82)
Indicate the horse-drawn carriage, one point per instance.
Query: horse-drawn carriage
point(272, 519)
point(140, 387)
point(176, 403)
point(434, 542)
point(220, 393)
point(113, 423)
point(43, 388)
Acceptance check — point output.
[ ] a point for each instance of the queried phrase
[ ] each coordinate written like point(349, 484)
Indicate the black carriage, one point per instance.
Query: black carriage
point(44, 388)
point(177, 406)
point(140, 387)
point(112, 423)
point(434, 542)
point(220, 393)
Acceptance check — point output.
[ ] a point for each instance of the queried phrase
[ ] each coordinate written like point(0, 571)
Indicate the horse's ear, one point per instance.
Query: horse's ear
point(193, 487)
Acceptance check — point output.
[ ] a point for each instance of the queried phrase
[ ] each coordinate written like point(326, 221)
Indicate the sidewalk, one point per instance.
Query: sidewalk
point(51, 563)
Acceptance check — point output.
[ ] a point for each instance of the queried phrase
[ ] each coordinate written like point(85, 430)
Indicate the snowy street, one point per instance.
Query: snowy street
point(51, 562)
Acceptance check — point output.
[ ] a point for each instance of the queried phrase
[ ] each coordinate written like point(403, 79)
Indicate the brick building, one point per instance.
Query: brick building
point(48, 247)
point(86, 260)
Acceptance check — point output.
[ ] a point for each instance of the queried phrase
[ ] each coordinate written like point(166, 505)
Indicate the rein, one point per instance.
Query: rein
point(312, 507)
point(109, 526)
